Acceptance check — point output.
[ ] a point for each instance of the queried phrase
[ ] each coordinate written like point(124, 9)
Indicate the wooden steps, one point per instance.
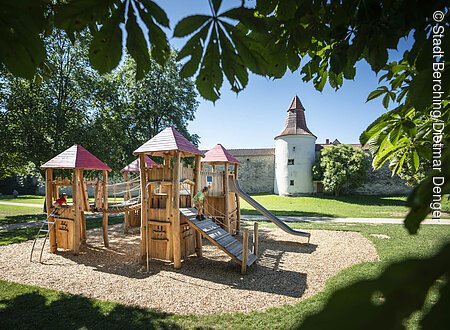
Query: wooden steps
point(218, 236)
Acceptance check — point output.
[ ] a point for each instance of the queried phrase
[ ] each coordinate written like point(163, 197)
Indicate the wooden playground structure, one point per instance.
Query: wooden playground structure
point(67, 225)
point(222, 203)
point(162, 197)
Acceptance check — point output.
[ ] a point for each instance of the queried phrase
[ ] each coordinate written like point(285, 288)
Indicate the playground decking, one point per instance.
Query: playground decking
point(285, 273)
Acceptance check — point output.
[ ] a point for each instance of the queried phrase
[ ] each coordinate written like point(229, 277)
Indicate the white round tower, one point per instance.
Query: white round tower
point(294, 154)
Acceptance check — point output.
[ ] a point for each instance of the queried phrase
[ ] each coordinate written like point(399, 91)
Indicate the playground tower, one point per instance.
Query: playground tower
point(294, 153)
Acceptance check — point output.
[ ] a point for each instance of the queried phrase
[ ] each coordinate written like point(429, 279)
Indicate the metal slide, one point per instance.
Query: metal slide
point(234, 186)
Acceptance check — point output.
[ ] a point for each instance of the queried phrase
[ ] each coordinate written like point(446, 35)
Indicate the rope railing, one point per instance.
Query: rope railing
point(215, 216)
point(126, 190)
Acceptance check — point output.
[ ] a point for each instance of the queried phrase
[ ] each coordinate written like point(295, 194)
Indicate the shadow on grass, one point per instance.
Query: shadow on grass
point(32, 310)
point(19, 198)
point(17, 235)
point(353, 199)
point(9, 219)
point(368, 200)
point(25, 234)
point(245, 211)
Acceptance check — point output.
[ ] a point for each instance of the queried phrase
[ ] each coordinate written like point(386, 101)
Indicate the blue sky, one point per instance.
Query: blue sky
point(255, 116)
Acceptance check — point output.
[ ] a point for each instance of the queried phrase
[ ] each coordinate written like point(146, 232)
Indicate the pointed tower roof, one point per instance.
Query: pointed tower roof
point(76, 157)
point(296, 104)
point(219, 154)
point(167, 140)
point(134, 166)
point(295, 121)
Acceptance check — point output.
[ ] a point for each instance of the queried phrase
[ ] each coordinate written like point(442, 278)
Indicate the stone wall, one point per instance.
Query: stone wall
point(257, 173)
point(381, 182)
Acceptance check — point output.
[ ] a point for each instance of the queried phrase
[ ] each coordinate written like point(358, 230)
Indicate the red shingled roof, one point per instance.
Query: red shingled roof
point(295, 121)
point(134, 165)
point(219, 154)
point(76, 157)
point(167, 140)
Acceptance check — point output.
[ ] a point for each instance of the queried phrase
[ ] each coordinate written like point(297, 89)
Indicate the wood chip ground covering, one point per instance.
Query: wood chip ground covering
point(287, 271)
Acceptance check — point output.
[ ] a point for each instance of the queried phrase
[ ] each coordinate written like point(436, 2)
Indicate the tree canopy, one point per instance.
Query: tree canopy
point(341, 167)
point(110, 114)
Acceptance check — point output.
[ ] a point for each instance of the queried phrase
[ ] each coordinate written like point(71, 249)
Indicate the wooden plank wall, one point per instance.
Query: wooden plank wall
point(216, 188)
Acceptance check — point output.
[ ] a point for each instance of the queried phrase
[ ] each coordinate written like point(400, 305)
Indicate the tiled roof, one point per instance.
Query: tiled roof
point(252, 152)
point(295, 121)
point(134, 166)
point(76, 157)
point(167, 140)
point(219, 154)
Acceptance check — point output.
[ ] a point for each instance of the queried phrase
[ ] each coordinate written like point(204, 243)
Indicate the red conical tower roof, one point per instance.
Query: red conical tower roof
point(295, 121)
point(76, 157)
point(167, 140)
point(219, 154)
point(134, 166)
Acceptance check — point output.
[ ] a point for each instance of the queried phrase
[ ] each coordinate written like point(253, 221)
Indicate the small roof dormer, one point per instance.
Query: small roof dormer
point(135, 165)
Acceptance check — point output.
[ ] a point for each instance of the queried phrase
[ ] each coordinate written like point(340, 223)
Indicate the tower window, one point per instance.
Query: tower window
point(291, 182)
point(290, 161)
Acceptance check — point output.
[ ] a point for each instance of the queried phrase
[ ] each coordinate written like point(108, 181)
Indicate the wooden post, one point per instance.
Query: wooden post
point(84, 200)
point(197, 188)
point(143, 176)
point(255, 239)
point(238, 202)
point(176, 212)
point(48, 204)
point(227, 201)
point(83, 228)
point(76, 196)
point(104, 207)
point(244, 251)
point(126, 197)
point(169, 208)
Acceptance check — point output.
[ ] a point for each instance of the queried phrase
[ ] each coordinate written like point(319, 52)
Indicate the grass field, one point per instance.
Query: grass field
point(316, 206)
point(28, 199)
point(11, 214)
point(26, 307)
point(335, 207)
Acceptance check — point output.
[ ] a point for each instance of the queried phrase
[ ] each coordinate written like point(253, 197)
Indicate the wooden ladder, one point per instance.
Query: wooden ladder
point(219, 237)
point(45, 228)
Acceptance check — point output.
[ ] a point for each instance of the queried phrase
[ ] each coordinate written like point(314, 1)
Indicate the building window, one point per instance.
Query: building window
point(291, 182)
point(290, 161)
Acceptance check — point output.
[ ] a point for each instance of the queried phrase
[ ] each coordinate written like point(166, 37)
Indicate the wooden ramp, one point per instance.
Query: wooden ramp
point(218, 236)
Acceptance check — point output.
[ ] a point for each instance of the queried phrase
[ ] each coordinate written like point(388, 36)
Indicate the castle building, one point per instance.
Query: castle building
point(294, 154)
point(286, 170)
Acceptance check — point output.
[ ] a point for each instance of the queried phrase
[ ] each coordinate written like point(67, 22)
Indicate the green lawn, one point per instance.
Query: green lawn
point(28, 199)
point(26, 307)
point(318, 206)
point(10, 214)
point(15, 214)
point(335, 207)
